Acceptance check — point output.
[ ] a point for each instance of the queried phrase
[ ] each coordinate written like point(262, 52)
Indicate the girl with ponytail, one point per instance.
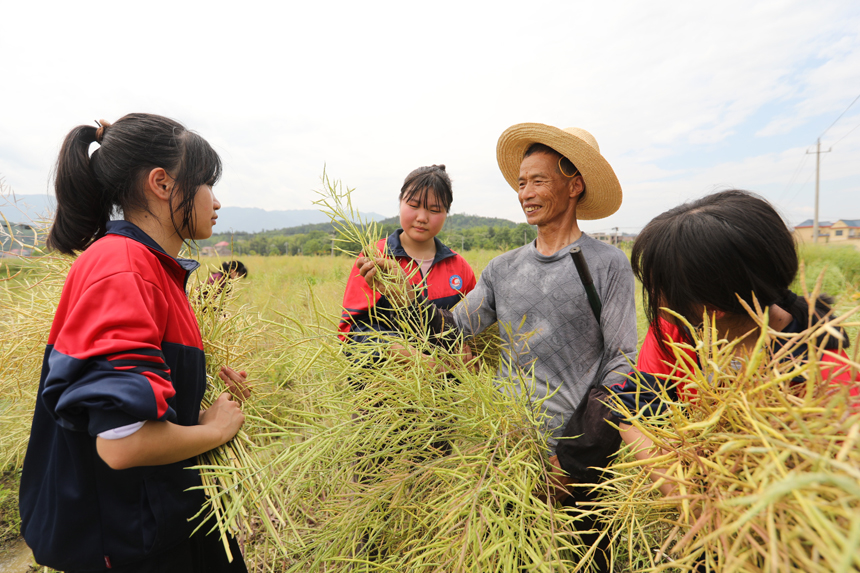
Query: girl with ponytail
point(106, 482)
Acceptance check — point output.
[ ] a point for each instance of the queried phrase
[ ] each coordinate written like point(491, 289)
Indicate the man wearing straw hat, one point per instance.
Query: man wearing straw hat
point(551, 331)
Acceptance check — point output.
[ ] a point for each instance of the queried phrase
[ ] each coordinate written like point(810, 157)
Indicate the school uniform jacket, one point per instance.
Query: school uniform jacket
point(657, 370)
point(124, 347)
point(449, 279)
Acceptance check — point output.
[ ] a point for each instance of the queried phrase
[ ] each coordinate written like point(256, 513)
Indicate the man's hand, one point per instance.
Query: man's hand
point(469, 359)
point(558, 481)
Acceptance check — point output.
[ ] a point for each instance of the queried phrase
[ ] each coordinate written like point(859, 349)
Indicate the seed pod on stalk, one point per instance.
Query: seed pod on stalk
point(764, 457)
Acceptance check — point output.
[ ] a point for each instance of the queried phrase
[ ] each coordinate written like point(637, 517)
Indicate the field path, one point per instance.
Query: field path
point(17, 558)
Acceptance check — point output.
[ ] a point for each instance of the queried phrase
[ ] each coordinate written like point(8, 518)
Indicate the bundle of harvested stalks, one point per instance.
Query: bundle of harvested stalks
point(406, 466)
point(231, 475)
point(765, 460)
point(417, 470)
point(336, 202)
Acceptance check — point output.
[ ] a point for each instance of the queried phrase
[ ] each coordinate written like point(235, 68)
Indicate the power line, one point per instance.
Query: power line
point(840, 116)
point(802, 186)
point(847, 134)
point(794, 176)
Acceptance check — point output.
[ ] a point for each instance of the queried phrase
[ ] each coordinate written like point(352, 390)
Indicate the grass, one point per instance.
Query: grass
point(325, 475)
point(10, 521)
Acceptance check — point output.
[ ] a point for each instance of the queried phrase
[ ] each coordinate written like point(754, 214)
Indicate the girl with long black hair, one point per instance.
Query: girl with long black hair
point(106, 482)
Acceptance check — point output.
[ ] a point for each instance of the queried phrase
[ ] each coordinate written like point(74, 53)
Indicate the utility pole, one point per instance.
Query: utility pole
point(818, 153)
point(615, 238)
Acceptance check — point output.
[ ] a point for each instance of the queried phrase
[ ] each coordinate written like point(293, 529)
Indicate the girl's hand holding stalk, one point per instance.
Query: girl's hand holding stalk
point(374, 270)
point(237, 382)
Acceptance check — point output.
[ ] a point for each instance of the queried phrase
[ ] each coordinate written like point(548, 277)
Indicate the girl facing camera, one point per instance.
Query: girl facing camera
point(441, 274)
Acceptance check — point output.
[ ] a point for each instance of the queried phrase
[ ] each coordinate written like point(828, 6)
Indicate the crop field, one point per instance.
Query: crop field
point(392, 467)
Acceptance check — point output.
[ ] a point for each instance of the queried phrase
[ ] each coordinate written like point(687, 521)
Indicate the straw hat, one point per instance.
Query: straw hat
point(602, 191)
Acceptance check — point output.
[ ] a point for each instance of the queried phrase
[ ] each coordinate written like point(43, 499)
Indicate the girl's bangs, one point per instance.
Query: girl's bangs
point(423, 194)
point(202, 165)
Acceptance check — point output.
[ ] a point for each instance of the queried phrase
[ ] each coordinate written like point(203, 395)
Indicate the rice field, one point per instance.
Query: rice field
point(387, 466)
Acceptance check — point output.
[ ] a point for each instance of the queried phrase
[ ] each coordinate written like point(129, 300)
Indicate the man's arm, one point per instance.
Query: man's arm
point(472, 315)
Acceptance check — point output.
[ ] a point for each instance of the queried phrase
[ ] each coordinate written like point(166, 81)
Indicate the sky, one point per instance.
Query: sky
point(684, 98)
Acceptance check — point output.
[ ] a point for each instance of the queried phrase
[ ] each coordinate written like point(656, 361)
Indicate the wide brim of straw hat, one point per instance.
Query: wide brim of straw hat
point(602, 195)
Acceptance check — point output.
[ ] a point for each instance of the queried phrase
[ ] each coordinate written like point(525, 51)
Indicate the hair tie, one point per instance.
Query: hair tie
point(100, 132)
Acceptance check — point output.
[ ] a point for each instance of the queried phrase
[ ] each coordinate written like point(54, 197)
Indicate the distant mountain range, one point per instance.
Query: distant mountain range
point(29, 208)
point(455, 222)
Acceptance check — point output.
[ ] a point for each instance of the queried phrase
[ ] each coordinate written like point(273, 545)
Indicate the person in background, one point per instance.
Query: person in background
point(107, 480)
point(229, 269)
point(442, 275)
point(219, 281)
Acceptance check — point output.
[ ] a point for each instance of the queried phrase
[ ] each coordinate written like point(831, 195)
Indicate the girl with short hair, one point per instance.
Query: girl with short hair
point(706, 256)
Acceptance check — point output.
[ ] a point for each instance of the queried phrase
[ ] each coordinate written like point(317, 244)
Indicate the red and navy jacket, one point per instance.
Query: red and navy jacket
point(657, 370)
point(450, 278)
point(124, 347)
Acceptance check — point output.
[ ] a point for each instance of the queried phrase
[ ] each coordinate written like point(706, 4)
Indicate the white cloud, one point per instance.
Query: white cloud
point(373, 90)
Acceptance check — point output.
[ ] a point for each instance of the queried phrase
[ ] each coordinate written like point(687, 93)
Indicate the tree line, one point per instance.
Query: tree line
point(460, 233)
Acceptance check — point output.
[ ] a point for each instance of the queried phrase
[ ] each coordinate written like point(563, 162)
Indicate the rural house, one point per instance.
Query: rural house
point(841, 230)
point(16, 239)
point(221, 249)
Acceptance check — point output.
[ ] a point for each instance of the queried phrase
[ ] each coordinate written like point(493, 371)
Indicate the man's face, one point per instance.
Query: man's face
point(545, 194)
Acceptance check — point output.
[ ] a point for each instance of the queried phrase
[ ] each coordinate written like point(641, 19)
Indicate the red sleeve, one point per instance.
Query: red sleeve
point(656, 360)
point(107, 368)
point(358, 298)
point(652, 358)
point(839, 373)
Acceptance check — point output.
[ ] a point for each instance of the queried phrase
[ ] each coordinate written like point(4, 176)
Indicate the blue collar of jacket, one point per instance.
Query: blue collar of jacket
point(131, 231)
point(396, 247)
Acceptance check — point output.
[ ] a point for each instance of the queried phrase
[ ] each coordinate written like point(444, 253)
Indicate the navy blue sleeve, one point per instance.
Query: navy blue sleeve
point(97, 395)
point(641, 393)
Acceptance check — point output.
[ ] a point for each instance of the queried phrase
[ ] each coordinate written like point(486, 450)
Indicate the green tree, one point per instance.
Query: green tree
point(311, 247)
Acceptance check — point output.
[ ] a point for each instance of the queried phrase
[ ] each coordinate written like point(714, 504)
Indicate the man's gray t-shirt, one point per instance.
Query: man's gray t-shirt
point(547, 324)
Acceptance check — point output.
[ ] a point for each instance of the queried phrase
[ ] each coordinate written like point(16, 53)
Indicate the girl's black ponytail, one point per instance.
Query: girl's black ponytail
point(798, 308)
point(83, 207)
point(90, 187)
